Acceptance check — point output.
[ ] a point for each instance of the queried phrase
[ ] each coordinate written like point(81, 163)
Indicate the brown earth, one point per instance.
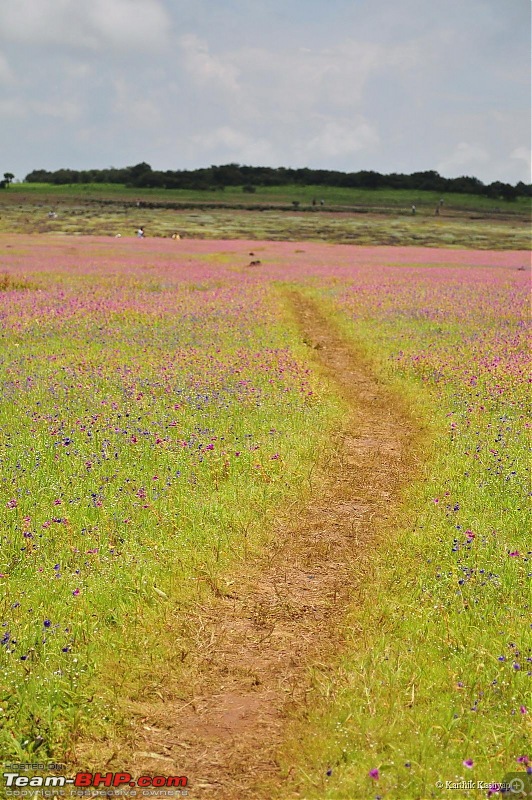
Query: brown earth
point(255, 647)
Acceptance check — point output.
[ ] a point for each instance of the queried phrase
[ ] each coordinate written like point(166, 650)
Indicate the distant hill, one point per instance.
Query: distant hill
point(218, 177)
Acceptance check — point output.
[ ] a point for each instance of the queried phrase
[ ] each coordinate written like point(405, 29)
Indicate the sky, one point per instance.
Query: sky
point(387, 85)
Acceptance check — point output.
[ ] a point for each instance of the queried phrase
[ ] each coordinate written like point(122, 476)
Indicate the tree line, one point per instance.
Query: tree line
point(250, 178)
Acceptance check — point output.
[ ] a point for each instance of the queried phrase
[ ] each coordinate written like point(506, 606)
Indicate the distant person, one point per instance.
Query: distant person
point(413, 209)
point(140, 233)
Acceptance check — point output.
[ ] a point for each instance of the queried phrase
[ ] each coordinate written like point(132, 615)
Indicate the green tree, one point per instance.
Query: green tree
point(8, 177)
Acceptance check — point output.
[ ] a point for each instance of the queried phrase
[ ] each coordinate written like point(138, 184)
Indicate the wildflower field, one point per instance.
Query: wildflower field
point(159, 406)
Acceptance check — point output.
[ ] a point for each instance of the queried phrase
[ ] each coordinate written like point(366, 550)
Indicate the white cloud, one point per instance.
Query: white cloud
point(139, 24)
point(206, 68)
point(6, 73)
point(464, 159)
point(522, 154)
point(235, 145)
point(137, 110)
point(344, 85)
point(337, 139)
point(65, 110)
point(301, 77)
point(130, 23)
point(13, 107)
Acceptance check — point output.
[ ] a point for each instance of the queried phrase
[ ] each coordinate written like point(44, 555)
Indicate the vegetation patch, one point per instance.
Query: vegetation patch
point(434, 685)
point(168, 406)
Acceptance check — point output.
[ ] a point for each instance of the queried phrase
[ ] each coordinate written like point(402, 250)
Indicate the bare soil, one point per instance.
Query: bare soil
point(255, 647)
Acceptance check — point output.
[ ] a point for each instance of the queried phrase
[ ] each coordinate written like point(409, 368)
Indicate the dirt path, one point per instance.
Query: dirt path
point(255, 647)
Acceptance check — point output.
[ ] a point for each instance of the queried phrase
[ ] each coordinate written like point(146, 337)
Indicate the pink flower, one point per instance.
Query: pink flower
point(12, 503)
point(76, 592)
point(468, 763)
point(374, 773)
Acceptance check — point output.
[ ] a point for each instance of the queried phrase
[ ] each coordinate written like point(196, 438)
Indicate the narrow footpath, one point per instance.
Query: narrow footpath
point(255, 647)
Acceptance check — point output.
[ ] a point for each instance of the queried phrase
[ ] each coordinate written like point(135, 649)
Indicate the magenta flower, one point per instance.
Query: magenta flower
point(374, 773)
point(468, 763)
point(514, 554)
point(76, 592)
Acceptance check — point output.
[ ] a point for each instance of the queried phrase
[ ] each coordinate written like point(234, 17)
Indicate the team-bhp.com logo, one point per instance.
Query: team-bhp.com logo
point(97, 780)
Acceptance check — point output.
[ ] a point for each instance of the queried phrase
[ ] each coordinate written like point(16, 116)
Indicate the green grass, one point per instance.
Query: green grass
point(428, 679)
point(379, 199)
point(354, 218)
point(116, 514)
point(121, 371)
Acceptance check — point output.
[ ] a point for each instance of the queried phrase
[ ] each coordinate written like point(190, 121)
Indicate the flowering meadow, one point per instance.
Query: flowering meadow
point(153, 411)
point(438, 685)
point(158, 404)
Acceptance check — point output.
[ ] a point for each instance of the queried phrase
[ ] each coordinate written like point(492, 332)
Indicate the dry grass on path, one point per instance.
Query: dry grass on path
point(255, 645)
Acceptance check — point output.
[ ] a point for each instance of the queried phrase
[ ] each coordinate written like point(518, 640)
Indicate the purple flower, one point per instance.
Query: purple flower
point(374, 773)
point(47, 623)
point(468, 763)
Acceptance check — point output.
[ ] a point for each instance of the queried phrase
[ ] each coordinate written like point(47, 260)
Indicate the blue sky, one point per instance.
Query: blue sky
point(389, 85)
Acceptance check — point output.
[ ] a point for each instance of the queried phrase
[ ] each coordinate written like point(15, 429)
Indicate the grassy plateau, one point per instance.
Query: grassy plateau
point(348, 216)
point(158, 405)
